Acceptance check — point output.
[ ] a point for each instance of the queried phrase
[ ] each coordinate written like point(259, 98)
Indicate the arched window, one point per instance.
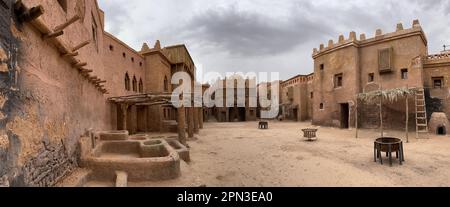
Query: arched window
point(134, 84)
point(141, 86)
point(127, 82)
point(166, 84)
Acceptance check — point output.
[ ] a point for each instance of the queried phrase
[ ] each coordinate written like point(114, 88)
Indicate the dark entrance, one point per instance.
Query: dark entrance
point(345, 116)
point(295, 114)
point(242, 114)
point(441, 130)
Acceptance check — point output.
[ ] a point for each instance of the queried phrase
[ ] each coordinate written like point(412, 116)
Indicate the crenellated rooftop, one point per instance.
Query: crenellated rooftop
point(352, 39)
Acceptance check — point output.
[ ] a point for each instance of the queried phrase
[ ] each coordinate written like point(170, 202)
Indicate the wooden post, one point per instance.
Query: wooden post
point(407, 118)
point(356, 117)
point(53, 34)
point(200, 117)
point(124, 108)
point(381, 109)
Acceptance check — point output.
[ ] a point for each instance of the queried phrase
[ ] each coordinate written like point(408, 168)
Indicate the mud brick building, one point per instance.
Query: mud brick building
point(236, 113)
point(296, 98)
point(63, 75)
point(355, 65)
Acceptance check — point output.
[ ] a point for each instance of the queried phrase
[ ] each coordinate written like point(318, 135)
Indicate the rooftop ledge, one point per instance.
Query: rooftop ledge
point(379, 37)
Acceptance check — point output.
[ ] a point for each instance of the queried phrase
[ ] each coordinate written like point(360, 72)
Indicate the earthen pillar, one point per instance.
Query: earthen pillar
point(191, 122)
point(196, 120)
point(124, 108)
point(182, 125)
point(200, 118)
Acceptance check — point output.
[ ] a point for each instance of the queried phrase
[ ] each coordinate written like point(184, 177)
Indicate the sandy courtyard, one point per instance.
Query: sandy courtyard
point(239, 154)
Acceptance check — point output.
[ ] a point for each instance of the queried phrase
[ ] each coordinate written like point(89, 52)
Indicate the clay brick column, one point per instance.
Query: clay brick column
point(200, 117)
point(191, 122)
point(124, 108)
point(196, 120)
point(182, 125)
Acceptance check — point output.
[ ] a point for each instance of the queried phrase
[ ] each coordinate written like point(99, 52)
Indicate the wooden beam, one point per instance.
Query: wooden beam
point(80, 64)
point(83, 70)
point(66, 24)
point(72, 54)
point(81, 45)
point(53, 34)
point(27, 15)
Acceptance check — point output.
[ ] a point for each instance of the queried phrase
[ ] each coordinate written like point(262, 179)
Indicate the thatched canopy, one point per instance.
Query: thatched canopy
point(390, 95)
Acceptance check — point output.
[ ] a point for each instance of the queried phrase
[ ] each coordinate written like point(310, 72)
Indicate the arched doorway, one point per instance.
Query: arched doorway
point(441, 130)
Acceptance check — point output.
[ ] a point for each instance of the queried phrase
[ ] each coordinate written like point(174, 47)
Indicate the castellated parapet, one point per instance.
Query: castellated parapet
point(352, 40)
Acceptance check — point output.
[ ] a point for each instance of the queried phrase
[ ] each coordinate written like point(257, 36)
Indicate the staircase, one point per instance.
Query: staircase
point(421, 113)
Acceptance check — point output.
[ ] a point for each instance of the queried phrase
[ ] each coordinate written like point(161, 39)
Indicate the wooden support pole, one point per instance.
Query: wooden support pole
point(381, 111)
point(83, 70)
point(356, 117)
point(66, 24)
point(196, 120)
point(81, 45)
point(53, 34)
point(407, 118)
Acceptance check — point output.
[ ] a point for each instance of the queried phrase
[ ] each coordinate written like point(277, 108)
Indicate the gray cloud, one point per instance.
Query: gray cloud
point(264, 35)
point(252, 34)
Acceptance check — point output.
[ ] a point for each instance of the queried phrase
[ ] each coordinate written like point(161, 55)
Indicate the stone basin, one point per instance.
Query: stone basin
point(141, 161)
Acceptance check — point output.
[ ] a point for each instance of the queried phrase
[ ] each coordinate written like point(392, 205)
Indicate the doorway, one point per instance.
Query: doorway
point(242, 114)
point(345, 116)
point(295, 114)
point(441, 130)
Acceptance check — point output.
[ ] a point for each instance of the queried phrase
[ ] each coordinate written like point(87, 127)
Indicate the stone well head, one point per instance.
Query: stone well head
point(439, 123)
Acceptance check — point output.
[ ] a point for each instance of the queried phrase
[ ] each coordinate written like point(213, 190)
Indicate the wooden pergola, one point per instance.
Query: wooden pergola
point(152, 99)
point(390, 95)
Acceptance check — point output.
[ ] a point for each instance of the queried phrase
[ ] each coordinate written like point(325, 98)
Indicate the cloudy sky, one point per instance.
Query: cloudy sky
point(266, 35)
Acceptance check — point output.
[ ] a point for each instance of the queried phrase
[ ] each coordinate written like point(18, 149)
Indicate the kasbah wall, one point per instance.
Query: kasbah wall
point(54, 89)
point(356, 61)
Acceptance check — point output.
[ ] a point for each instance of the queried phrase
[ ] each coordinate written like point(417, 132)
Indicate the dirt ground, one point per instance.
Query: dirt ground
point(239, 154)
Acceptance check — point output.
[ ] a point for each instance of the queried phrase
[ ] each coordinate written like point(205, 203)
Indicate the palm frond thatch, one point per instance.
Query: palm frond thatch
point(390, 95)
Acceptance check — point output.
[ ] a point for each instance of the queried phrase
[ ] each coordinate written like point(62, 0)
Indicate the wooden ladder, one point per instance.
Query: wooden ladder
point(421, 113)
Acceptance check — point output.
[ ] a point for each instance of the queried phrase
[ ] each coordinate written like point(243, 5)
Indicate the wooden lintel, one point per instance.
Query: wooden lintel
point(66, 24)
point(53, 34)
point(81, 45)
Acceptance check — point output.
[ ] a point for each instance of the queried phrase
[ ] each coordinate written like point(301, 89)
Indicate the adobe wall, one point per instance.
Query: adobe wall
point(438, 99)
point(118, 61)
point(343, 61)
point(157, 68)
point(52, 104)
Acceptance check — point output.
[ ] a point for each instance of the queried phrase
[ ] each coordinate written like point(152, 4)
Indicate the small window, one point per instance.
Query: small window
point(404, 74)
point(140, 64)
point(132, 59)
point(111, 47)
point(321, 106)
point(338, 79)
point(63, 4)
point(322, 67)
point(371, 77)
point(438, 82)
point(124, 55)
point(312, 95)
